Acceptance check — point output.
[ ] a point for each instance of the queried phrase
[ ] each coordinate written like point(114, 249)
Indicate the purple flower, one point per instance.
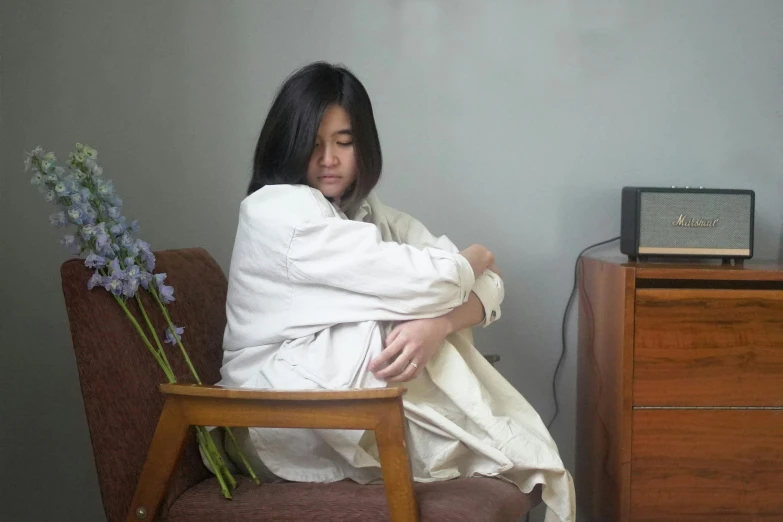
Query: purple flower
point(126, 241)
point(130, 287)
point(96, 280)
point(88, 231)
point(115, 268)
point(113, 285)
point(68, 240)
point(101, 238)
point(61, 189)
point(133, 249)
point(118, 228)
point(50, 195)
point(89, 213)
point(149, 260)
point(113, 212)
point(165, 292)
point(72, 185)
point(105, 190)
point(145, 278)
point(58, 219)
point(74, 244)
point(133, 271)
point(146, 254)
point(75, 215)
point(178, 331)
point(95, 261)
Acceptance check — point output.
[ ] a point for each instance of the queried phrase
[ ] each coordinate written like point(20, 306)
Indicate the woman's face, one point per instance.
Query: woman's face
point(332, 167)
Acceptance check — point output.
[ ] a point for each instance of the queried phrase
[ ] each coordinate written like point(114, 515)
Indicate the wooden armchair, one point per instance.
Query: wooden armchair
point(146, 458)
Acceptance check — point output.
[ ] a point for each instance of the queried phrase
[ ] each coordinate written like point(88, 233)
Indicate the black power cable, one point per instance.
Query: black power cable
point(563, 331)
point(565, 323)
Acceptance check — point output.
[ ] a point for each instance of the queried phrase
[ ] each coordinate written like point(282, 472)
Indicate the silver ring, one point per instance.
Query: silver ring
point(415, 365)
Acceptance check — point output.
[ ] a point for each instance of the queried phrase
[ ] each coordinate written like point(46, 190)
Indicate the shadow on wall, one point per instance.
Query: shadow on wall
point(780, 238)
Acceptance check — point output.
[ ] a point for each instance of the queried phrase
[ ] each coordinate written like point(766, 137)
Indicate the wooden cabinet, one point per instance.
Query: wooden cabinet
point(680, 392)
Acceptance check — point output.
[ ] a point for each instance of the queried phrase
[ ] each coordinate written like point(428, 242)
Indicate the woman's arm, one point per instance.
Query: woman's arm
point(417, 341)
point(467, 315)
point(488, 286)
point(341, 271)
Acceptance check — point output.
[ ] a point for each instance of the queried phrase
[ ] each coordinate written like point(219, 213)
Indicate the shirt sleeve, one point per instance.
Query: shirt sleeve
point(342, 271)
point(488, 287)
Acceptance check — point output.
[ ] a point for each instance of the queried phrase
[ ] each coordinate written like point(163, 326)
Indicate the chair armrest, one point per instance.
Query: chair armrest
point(222, 392)
point(377, 409)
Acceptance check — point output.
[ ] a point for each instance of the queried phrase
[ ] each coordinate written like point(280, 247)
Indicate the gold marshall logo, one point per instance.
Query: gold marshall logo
point(685, 221)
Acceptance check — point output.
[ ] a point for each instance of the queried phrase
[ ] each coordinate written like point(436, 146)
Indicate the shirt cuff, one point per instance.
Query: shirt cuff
point(490, 291)
point(467, 280)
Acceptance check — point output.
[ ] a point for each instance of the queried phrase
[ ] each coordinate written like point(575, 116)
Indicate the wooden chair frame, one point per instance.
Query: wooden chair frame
point(378, 409)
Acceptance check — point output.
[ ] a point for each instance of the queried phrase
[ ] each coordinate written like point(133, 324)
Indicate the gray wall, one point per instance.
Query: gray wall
point(510, 123)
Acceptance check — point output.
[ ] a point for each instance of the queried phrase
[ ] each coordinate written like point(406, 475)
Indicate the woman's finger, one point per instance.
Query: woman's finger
point(393, 334)
point(387, 354)
point(407, 374)
point(397, 366)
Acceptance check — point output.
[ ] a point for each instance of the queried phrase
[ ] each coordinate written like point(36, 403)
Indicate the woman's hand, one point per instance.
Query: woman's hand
point(479, 257)
point(409, 347)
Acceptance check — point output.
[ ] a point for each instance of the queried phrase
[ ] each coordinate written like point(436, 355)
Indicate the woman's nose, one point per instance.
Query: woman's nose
point(328, 158)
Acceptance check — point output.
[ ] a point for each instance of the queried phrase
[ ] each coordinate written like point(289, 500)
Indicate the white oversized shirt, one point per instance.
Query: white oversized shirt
point(312, 295)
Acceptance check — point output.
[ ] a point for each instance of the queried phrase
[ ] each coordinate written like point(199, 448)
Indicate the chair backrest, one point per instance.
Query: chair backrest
point(119, 378)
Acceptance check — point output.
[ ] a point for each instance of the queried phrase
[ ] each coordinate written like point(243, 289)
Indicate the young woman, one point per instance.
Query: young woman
point(331, 289)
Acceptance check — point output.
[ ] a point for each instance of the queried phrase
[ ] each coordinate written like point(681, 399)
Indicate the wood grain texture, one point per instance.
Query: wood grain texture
point(749, 272)
point(700, 341)
point(707, 465)
point(391, 436)
point(603, 443)
point(165, 451)
point(707, 347)
point(377, 410)
point(220, 392)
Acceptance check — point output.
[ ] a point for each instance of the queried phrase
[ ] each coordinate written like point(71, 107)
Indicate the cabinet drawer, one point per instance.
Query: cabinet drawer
point(708, 347)
point(707, 465)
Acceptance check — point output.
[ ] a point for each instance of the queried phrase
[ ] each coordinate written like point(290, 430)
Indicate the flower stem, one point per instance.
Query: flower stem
point(222, 468)
point(169, 374)
point(211, 459)
point(162, 306)
point(152, 332)
point(154, 293)
point(242, 456)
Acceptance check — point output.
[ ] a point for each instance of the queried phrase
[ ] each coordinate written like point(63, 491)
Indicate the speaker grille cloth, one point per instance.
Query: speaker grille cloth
point(659, 210)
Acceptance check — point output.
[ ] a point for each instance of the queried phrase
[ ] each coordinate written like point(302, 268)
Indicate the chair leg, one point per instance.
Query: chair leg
point(166, 449)
point(395, 465)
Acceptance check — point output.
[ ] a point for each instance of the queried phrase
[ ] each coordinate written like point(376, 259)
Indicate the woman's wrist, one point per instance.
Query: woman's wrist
point(446, 325)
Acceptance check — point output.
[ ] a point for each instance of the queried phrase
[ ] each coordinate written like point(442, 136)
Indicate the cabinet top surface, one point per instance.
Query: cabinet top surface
point(751, 269)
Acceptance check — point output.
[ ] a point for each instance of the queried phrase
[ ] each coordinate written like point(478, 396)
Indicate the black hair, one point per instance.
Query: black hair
point(289, 133)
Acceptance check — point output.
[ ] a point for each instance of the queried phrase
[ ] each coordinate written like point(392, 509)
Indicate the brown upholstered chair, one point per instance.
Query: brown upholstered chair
point(142, 478)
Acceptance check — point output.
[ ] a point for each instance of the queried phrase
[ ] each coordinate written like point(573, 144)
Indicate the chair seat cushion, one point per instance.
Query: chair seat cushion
point(460, 500)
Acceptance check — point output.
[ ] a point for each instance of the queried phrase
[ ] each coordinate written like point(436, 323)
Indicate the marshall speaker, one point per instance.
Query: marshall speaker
point(687, 222)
